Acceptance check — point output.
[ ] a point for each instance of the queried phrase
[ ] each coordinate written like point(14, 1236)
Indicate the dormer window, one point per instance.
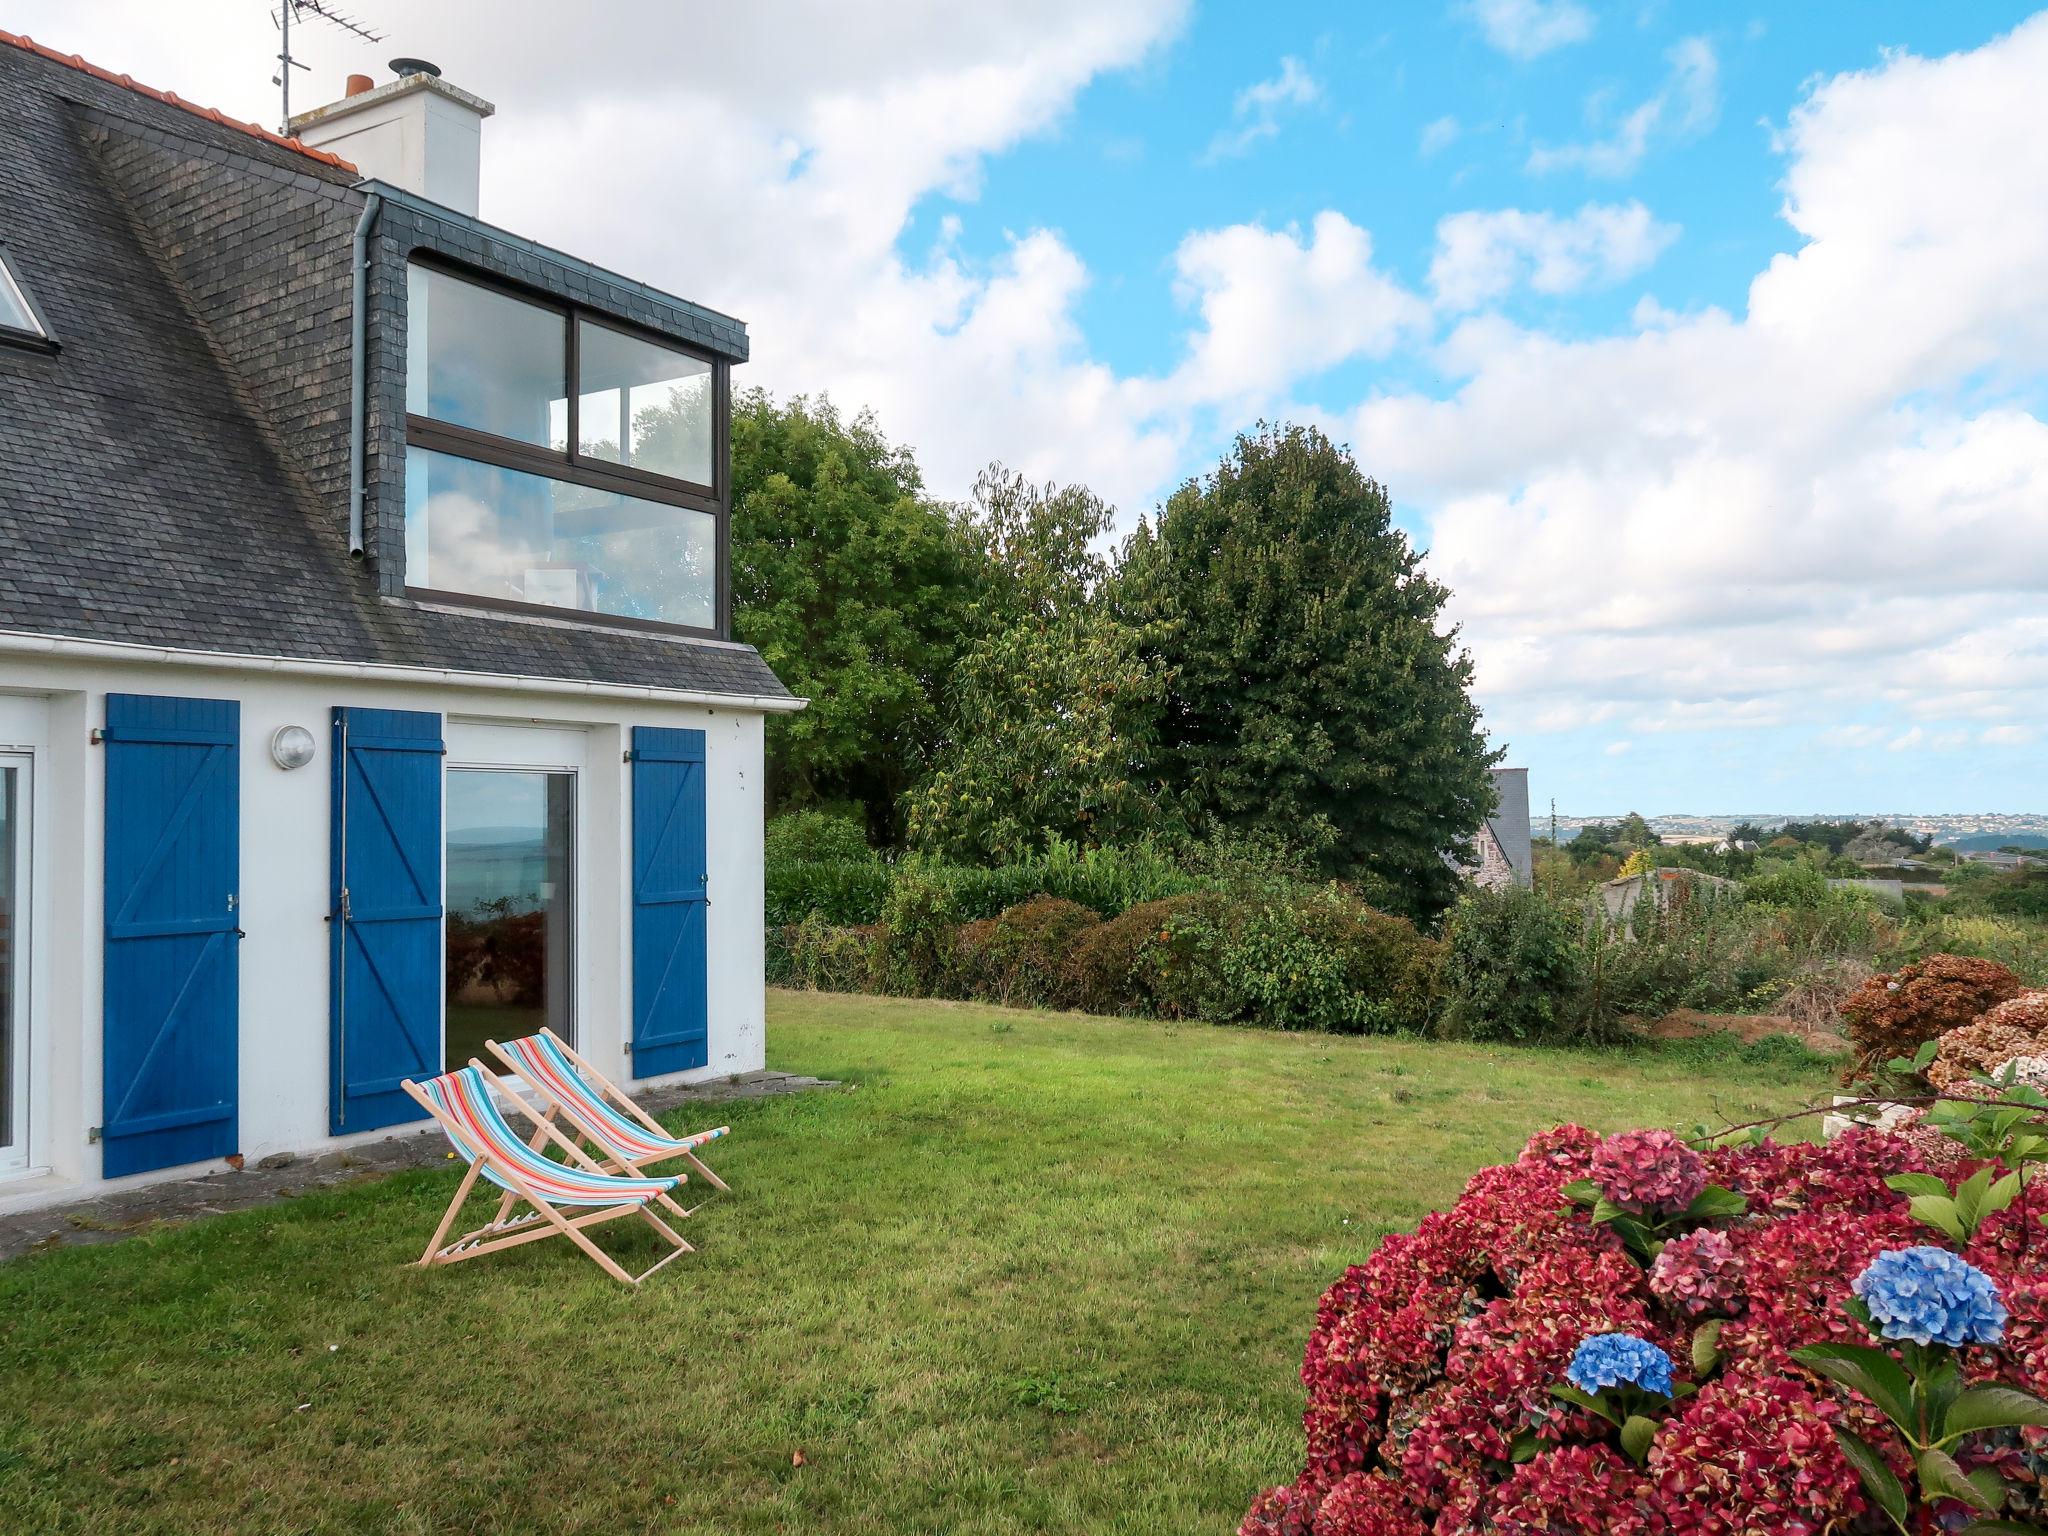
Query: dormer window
point(556, 458)
point(19, 318)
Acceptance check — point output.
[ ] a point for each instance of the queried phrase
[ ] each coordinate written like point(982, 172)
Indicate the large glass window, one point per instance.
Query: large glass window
point(481, 359)
point(541, 473)
point(642, 405)
point(516, 537)
point(511, 907)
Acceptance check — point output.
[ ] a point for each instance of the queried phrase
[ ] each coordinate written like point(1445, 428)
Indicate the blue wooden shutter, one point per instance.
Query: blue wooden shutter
point(386, 915)
point(173, 867)
point(671, 1003)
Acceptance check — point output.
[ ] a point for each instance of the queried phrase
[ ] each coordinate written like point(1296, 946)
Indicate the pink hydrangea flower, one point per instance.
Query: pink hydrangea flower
point(1432, 1360)
point(1649, 1173)
point(1367, 1505)
point(1698, 1273)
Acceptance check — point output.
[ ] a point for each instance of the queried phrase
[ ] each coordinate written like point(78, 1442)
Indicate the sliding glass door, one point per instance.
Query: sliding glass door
point(511, 903)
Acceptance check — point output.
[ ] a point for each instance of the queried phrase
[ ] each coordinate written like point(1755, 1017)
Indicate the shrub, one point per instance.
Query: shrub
point(919, 920)
point(843, 891)
point(1513, 967)
point(2021, 947)
point(816, 836)
point(1149, 960)
point(1025, 955)
point(2016, 1027)
point(1431, 1367)
point(827, 958)
point(1326, 961)
point(1894, 1013)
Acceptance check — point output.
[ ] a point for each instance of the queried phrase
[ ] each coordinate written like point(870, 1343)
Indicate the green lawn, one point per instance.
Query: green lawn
point(1034, 1273)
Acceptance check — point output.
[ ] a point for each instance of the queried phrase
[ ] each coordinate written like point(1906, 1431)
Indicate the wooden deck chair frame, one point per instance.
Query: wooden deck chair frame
point(609, 1161)
point(543, 1219)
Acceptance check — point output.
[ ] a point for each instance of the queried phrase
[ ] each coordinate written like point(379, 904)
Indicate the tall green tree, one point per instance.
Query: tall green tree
point(1052, 714)
point(1316, 696)
point(853, 585)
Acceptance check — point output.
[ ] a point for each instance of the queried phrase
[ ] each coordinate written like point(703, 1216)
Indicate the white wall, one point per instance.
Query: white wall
point(284, 881)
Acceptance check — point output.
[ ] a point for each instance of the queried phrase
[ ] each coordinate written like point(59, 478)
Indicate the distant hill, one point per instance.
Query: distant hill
point(1984, 840)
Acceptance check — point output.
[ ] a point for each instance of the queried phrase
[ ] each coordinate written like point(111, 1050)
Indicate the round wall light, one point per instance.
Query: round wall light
point(291, 746)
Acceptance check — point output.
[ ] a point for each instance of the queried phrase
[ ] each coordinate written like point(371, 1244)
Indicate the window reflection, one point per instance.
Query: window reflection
point(502, 533)
point(641, 404)
point(511, 907)
point(481, 359)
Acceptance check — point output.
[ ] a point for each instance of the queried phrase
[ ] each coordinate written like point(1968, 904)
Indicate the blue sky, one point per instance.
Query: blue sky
point(1702, 346)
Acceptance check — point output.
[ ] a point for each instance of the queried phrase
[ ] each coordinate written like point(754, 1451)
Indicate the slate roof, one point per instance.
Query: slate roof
point(175, 474)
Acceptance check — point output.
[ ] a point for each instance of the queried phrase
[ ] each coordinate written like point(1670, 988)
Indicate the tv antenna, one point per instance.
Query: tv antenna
point(289, 11)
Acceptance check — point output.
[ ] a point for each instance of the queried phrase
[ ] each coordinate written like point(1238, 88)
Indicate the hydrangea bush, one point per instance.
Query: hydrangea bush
point(1532, 1363)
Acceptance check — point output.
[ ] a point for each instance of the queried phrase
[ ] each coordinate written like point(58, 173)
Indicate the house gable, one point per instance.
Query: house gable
point(183, 463)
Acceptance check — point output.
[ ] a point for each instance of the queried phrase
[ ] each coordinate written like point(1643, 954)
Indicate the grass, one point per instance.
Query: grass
point(1033, 1273)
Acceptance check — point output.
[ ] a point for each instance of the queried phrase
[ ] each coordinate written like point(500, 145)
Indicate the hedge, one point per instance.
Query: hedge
point(1284, 959)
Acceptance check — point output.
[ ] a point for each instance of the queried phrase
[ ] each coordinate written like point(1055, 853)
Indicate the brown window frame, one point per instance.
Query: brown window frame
point(572, 467)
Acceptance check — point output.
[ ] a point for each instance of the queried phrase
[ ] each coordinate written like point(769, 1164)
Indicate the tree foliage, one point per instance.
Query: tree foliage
point(1052, 714)
point(854, 587)
point(1314, 695)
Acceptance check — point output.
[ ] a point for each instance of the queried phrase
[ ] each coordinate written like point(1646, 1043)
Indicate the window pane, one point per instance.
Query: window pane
point(475, 357)
point(503, 533)
point(642, 404)
point(14, 311)
point(511, 913)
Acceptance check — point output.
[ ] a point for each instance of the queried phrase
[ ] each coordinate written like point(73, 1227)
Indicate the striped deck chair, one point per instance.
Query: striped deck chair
point(463, 1104)
point(625, 1138)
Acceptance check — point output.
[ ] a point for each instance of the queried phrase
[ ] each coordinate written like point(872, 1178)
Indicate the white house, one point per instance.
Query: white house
point(366, 686)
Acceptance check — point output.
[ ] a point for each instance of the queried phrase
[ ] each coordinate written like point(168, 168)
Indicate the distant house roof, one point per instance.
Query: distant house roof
point(177, 474)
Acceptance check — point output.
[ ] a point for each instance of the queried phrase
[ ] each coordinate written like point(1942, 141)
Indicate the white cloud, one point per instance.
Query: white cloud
point(1684, 106)
point(1527, 29)
point(1618, 748)
point(1826, 502)
point(1256, 113)
point(1277, 307)
point(1439, 134)
point(1482, 255)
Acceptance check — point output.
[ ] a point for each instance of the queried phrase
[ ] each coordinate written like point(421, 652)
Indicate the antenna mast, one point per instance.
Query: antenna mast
point(282, 18)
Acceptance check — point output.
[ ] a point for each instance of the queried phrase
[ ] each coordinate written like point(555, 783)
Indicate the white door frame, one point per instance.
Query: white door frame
point(24, 746)
point(482, 743)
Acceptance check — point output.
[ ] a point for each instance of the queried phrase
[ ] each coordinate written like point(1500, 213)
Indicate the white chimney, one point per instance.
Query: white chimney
point(417, 132)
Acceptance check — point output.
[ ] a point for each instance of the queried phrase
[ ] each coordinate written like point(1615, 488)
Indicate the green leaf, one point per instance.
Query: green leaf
point(1994, 1407)
point(2002, 1194)
point(1916, 1184)
point(1970, 1197)
point(2001, 1528)
point(1873, 1372)
point(1715, 1203)
point(1585, 1400)
point(1605, 1210)
point(1706, 1347)
point(1524, 1447)
point(1636, 1436)
point(1581, 1192)
point(1879, 1481)
point(1938, 1212)
point(1941, 1478)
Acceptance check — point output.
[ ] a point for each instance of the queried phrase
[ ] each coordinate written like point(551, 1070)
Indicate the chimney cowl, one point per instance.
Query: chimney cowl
point(402, 67)
point(357, 84)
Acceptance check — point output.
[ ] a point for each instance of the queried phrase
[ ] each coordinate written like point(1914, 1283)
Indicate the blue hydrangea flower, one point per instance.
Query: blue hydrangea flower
point(1620, 1359)
point(1930, 1296)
